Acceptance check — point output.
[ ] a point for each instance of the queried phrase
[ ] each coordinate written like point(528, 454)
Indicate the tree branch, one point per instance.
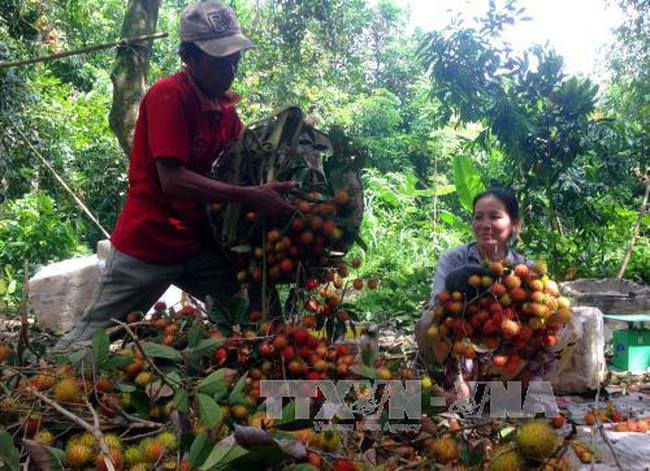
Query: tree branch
point(83, 50)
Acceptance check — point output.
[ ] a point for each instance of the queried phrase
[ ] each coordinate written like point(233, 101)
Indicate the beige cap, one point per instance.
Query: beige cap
point(214, 28)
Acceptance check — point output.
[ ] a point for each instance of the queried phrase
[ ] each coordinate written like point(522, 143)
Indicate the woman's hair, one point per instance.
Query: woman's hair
point(188, 49)
point(508, 199)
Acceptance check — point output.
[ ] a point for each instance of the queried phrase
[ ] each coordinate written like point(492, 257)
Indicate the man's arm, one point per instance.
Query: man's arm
point(179, 182)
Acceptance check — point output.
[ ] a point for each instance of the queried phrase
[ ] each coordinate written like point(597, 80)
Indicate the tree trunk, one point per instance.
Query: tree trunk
point(130, 70)
point(635, 231)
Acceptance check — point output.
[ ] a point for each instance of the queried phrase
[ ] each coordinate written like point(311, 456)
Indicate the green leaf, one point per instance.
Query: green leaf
point(237, 394)
point(443, 190)
point(213, 383)
point(3, 287)
point(196, 450)
point(365, 371)
point(388, 195)
point(57, 454)
point(195, 334)
point(645, 220)
point(119, 361)
point(240, 311)
point(44, 457)
point(223, 453)
point(77, 357)
point(182, 400)
point(467, 179)
point(141, 403)
point(368, 355)
point(288, 420)
point(217, 314)
point(506, 431)
point(9, 454)
point(288, 414)
point(210, 412)
point(126, 387)
point(206, 347)
point(174, 376)
point(101, 344)
point(340, 329)
point(155, 350)
point(454, 221)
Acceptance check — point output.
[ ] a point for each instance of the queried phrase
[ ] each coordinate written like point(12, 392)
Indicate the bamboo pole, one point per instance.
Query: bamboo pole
point(83, 50)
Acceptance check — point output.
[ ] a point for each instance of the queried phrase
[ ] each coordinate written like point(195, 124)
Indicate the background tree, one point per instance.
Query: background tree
point(572, 153)
point(556, 152)
point(628, 99)
point(129, 74)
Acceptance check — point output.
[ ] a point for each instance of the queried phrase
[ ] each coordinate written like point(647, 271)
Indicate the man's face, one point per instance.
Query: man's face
point(215, 75)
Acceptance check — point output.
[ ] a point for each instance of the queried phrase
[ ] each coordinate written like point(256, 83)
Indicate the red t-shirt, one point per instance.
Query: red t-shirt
point(175, 120)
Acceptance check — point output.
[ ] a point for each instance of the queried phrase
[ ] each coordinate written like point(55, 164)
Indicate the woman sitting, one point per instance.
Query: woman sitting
point(495, 224)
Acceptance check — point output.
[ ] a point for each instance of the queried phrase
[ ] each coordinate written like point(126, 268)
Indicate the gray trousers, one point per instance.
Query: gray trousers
point(130, 284)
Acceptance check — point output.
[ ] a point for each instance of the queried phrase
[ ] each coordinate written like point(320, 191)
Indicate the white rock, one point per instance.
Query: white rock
point(582, 364)
point(103, 247)
point(610, 295)
point(59, 292)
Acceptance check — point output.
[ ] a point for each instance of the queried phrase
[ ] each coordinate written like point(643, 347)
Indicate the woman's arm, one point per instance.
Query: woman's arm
point(448, 262)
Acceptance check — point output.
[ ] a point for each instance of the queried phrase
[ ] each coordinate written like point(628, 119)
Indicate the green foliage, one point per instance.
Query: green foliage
point(554, 150)
point(31, 229)
point(468, 181)
point(402, 247)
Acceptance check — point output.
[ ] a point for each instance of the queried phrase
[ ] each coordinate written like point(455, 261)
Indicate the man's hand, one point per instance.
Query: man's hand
point(267, 200)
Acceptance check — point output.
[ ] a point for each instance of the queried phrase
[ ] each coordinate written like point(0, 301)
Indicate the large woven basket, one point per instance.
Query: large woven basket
point(285, 147)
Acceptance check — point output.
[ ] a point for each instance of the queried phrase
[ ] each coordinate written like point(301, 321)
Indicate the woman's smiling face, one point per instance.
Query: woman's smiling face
point(492, 225)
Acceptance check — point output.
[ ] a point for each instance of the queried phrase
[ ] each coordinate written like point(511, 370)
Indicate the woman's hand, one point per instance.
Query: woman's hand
point(457, 280)
point(424, 344)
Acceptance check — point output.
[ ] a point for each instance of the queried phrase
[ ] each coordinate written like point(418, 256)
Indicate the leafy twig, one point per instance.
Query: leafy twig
point(94, 430)
point(142, 435)
point(62, 410)
point(131, 418)
point(146, 357)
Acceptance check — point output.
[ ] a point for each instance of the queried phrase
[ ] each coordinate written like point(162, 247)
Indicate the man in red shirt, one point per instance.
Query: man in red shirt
point(162, 235)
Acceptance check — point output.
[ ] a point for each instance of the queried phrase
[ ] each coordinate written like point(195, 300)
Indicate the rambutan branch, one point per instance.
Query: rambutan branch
point(100, 438)
point(94, 430)
point(134, 438)
point(146, 357)
point(62, 410)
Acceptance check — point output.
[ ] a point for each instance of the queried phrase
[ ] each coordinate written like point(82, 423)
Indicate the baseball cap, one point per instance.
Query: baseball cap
point(214, 28)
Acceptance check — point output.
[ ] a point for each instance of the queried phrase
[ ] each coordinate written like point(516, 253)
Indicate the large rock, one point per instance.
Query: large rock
point(60, 292)
point(610, 295)
point(581, 365)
